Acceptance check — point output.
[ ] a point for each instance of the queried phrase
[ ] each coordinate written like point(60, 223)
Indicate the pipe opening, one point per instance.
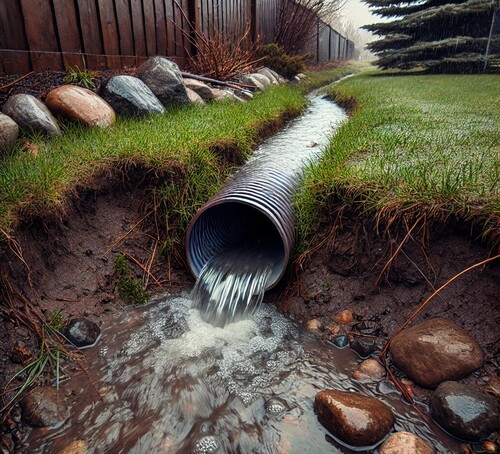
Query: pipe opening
point(233, 225)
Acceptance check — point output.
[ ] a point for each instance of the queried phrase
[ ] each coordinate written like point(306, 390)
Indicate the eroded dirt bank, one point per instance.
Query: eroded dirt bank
point(71, 269)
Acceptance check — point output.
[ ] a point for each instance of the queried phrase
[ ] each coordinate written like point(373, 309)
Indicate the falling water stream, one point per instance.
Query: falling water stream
point(163, 380)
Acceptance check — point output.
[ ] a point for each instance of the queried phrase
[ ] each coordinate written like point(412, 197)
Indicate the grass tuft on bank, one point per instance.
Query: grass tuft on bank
point(415, 146)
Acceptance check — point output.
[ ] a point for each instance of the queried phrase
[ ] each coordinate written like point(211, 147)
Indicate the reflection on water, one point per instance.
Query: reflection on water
point(164, 381)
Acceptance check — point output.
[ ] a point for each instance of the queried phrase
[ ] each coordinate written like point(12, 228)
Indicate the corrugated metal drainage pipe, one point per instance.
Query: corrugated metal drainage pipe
point(254, 207)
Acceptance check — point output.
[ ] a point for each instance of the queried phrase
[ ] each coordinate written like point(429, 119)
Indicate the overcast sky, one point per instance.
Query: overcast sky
point(358, 13)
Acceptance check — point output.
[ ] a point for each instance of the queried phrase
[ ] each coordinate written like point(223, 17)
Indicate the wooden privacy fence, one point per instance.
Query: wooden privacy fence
point(331, 45)
point(109, 34)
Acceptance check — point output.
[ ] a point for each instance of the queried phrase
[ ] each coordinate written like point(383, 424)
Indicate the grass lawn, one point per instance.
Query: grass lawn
point(416, 145)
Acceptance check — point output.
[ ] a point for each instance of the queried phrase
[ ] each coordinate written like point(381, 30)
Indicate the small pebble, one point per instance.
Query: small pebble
point(369, 369)
point(344, 317)
point(363, 347)
point(340, 341)
point(313, 325)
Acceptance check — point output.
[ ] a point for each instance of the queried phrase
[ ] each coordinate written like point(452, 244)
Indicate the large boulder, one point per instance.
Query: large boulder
point(43, 407)
point(130, 96)
point(405, 443)
point(465, 411)
point(9, 131)
point(80, 105)
point(353, 418)
point(31, 115)
point(82, 332)
point(164, 79)
point(435, 351)
point(203, 90)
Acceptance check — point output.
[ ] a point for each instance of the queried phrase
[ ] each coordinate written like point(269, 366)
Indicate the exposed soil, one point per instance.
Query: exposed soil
point(71, 270)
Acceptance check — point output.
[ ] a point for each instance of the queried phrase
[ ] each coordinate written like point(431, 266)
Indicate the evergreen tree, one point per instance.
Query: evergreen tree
point(439, 35)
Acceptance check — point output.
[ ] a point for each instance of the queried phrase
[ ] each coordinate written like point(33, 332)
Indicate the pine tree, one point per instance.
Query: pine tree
point(438, 35)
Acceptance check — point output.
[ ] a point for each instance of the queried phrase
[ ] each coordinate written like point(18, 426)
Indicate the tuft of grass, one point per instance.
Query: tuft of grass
point(56, 320)
point(82, 77)
point(130, 288)
point(416, 145)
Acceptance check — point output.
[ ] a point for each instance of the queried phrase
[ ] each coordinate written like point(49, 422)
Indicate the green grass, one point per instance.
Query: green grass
point(415, 145)
point(188, 142)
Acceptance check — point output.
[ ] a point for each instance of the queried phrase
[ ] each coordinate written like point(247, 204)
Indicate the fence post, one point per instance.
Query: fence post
point(253, 20)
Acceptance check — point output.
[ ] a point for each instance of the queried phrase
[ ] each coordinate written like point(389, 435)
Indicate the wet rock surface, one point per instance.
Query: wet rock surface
point(43, 407)
point(80, 105)
point(353, 418)
point(363, 346)
point(369, 369)
point(31, 115)
point(405, 443)
point(465, 411)
point(434, 351)
point(9, 132)
point(164, 79)
point(130, 96)
point(82, 332)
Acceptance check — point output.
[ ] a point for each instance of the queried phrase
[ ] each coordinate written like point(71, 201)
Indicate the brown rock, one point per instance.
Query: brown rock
point(75, 447)
point(313, 325)
point(369, 369)
point(194, 97)
point(353, 418)
point(203, 90)
point(435, 351)
point(344, 317)
point(80, 105)
point(405, 443)
point(43, 407)
point(8, 132)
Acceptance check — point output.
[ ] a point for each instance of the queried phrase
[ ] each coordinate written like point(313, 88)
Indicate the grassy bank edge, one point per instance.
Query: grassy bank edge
point(425, 109)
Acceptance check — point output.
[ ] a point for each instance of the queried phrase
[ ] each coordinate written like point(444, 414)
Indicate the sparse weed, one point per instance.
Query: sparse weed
point(130, 288)
point(82, 77)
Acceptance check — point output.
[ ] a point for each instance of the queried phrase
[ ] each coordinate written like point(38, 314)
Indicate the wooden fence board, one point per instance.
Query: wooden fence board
point(41, 34)
point(161, 28)
point(149, 20)
point(179, 50)
point(126, 36)
point(138, 31)
point(12, 37)
point(69, 35)
point(109, 30)
point(169, 15)
point(91, 36)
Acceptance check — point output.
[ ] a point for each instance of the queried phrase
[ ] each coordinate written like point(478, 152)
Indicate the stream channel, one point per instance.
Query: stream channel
point(162, 380)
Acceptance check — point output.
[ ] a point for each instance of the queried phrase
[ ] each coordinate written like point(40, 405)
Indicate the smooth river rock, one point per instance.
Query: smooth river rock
point(435, 351)
point(265, 81)
point(247, 79)
point(267, 73)
point(194, 97)
point(80, 105)
point(43, 407)
point(31, 115)
point(405, 443)
point(203, 90)
point(9, 131)
point(130, 96)
point(353, 418)
point(164, 78)
point(369, 369)
point(465, 411)
point(363, 346)
point(82, 332)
